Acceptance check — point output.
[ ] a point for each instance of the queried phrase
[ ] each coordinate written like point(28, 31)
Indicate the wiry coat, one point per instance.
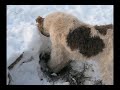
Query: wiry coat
point(74, 40)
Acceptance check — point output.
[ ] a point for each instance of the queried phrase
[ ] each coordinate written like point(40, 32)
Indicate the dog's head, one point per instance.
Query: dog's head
point(40, 21)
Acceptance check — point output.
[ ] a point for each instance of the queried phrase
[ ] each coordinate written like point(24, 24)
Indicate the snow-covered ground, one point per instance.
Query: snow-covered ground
point(23, 36)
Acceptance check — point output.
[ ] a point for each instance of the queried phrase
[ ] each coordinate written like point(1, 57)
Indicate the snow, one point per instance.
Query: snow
point(23, 36)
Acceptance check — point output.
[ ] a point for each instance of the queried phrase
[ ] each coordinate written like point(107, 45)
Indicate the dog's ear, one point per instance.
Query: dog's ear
point(39, 20)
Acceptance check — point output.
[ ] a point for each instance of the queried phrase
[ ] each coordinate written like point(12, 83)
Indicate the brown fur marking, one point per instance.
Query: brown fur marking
point(40, 21)
point(103, 28)
point(80, 39)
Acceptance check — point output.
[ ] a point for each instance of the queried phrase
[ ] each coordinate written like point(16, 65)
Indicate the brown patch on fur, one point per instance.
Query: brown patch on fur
point(103, 28)
point(40, 21)
point(80, 39)
point(74, 37)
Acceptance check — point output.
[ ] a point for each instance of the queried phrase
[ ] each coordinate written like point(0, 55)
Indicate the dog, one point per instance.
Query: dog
point(73, 39)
